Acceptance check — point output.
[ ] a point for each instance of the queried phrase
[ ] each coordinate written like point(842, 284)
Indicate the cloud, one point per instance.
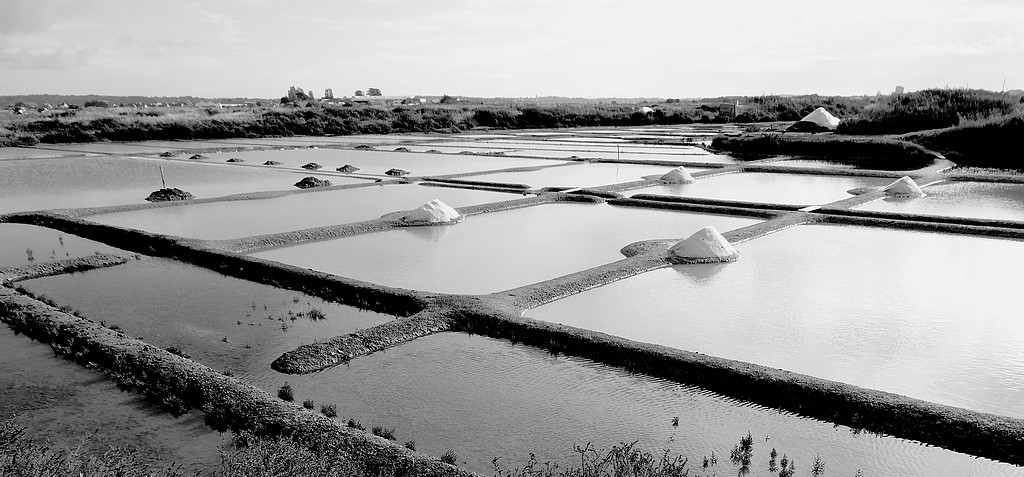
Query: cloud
point(230, 33)
point(62, 58)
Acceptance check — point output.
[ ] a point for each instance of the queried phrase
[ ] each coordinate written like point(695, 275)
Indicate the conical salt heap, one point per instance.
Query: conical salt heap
point(704, 246)
point(904, 187)
point(678, 175)
point(433, 212)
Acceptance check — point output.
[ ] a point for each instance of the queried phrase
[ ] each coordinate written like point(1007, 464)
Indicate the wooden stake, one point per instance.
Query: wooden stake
point(162, 181)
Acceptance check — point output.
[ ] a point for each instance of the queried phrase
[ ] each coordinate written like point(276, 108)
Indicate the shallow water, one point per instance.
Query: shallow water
point(100, 181)
point(497, 251)
point(234, 219)
point(16, 240)
point(930, 316)
point(167, 303)
point(960, 199)
point(578, 175)
point(484, 398)
point(63, 403)
point(7, 153)
point(377, 162)
point(796, 189)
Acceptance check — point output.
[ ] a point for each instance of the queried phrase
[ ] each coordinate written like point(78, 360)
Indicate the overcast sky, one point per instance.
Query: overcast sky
point(669, 48)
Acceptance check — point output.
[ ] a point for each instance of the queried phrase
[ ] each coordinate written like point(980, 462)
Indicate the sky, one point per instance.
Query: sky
point(514, 48)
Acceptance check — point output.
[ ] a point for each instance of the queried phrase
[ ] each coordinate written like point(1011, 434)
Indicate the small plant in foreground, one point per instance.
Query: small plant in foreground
point(772, 465)
point(178, 351)
point(410, 444)
point(381, 431)
point(286, 393)
point(316, 314)
point(309, 404)
point(354, 424)
point(818, 467)
point(742, 453)
point(329, 410)
point(450, 457)
point(787, 468)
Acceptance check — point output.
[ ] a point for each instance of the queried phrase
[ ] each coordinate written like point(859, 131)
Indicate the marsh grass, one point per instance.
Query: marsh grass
point(450, 457)
point(286, 393)
point(384, 432)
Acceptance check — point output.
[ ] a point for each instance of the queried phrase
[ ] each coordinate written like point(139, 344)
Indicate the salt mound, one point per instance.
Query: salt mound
point(347, 168)
point(311, 182)
point(678, 175)
point(312, 166)
point(433, 212)
point(904, 187)
point(169, 195)
point(704, 246)
point(396, 172)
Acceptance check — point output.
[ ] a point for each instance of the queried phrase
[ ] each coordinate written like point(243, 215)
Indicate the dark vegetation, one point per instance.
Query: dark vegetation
point(971, 127)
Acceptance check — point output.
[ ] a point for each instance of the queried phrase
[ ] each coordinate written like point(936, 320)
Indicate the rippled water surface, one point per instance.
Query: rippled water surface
point(60, 402)
point(20, 242)
point(796, 189)
point(233, 219)
point(578, 175)
point(377, 162)
point(99, 181)
point(960, 199)
point(484, 398)
point(225, 323)
point(931, 316)
point(496, 251)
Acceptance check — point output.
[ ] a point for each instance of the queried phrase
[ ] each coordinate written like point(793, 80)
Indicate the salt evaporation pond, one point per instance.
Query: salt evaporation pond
point(496, 251)
point(167, 303)
point(578, 175)
point(377, 162)
point(19, 242)
point(101, 181)
point(235, 219)
point(931, 316)
point(796, 189)
point(9, 153)
point(62, 403)
point(486, 398)
point(960, 199)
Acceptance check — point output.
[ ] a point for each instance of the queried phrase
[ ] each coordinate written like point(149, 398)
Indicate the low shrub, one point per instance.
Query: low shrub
point(386, 433)
point(286, 393)
point(329, 410)
point(309, 404)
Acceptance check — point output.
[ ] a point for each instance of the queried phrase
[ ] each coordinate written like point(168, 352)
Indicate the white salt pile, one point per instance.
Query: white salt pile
point(433, 212)
point(678, 175)
point(704, 246)
point(904, 187)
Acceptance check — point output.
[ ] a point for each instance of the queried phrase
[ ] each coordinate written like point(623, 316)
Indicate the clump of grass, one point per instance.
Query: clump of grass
point(410, 444)
point(354, 424)
point(20, 456)
point(381, 431)
point(329, 410)
point(309, 404)
point(175, 350)
point(742, 453)
point(286, 393)
point(450, 457)
point(316, 314)
point(787, 468)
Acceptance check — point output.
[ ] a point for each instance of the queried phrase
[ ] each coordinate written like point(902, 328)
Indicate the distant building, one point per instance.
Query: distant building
point(898, 91)
point(730, 109)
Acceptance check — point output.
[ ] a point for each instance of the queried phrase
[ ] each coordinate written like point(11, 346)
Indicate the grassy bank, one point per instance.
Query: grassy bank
point(884, 151)
point(993, 142)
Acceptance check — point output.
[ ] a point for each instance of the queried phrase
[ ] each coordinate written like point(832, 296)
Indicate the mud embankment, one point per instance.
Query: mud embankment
point(59, 267)
point(347, 291)
point(182, 385)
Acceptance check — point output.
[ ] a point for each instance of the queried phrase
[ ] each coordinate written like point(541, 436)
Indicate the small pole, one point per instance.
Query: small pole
point(162, 181)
